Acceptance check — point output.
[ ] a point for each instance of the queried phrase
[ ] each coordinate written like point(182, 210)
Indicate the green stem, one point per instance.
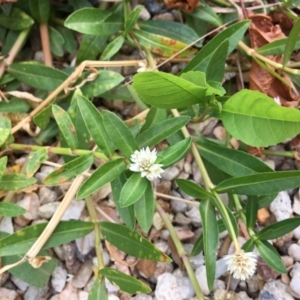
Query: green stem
point(14, 50)
point(181, 251)
point(94, 218)
point(288, 154)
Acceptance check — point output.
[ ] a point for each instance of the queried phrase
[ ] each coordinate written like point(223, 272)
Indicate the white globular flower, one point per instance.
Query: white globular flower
point(241, 265)
point(144, 161)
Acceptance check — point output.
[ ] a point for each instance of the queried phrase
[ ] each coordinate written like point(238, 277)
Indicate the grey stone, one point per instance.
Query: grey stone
point(167, 288)
point(47, 195)
point(47, 210)
point(281, 207)
point(59, 278)
point(274, 290)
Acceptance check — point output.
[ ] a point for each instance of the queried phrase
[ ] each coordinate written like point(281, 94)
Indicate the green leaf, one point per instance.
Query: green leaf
point(291, 42)
point(125, 282)
point(43, 117)
point(57, 42)
point(264, 200)
point(123, 138)
point(249, 245)
point(259, 111)
point(277, 47)
point(260, 184)
point(161, 131)
point(126, 213)
point(3, 162)
point(14, 106)
point(132, 18)
point(104, 174)
point(37, 277)
point(173, 30)
point(68, 37)
point(112, 48)
point(174, 153)
point(133, 189)
point(17, 20)
point(251, 212)
point(270, 255)
point(77, 4)
point(5, 127)
point(40, 10)
point(14, 182)
point(161, 45)
point(170, 91)
point(144, 209)
point(206, 13)
point(21, 241)
point(35, 160)
point(278, 229)
point(233, 33)
point(216, 66)
point(37, 75)
point(11, 209)
point(131, 242)
point(98, 290)
point(93, 21)
point(48, 133)
point(94, 123)
point(154, 116)
point(70, 170)
point(193, 189)
point(233, 162)
point(121, 92)
point(90, 47)
point(105, 81)
point(65, 125)
point(210, 239)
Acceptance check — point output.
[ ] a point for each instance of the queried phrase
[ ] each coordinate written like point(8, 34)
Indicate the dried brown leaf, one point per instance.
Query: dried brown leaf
point(187, 5)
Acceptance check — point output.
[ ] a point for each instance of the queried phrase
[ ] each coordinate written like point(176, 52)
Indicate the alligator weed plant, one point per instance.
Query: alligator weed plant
point(99, 148)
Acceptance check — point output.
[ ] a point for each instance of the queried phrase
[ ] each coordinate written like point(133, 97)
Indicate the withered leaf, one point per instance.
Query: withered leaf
point(187, 5)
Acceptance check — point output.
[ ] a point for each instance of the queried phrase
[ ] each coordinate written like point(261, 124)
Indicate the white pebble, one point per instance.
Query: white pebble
point(167, 288)
point(281, 207)
point(74, 210)
point(47, 210)
point(59, 278)
point(294, 251)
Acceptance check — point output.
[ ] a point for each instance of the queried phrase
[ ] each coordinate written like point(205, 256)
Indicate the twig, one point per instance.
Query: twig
point(44, 32)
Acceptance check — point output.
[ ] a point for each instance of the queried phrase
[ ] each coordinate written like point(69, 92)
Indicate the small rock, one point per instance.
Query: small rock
point(113, 297)
point(170, 173)
point(178, 206)
point(263, 216)
point(181, 219)
point(83, 295)
point(45, 171)
point(184, 234)
point(146, 267)
point(294, 252)
point(68, 293)
point(160, 269)
point(83, 275)
point(194, 215)
point(296, 204)
point(110, 287)
point(144, 14)
point(274, 290)
point(253, 284)
point(243, 296)
point(296, 233)
point(59, 278)
point(162, 246)
point(188, 167)
point(270, 163)
point(167, 288)
point(106, 259)
point(6, 225)
point(47, 210)
point(281, 206)
point(164, 187)
point(296, 270)
point(3, 278)
point(165, 16)
point(20, 284)
point(241, 241)
point(197, 176)
point(86, 244)
point(47, 195)
point(153, 7)
point(220, 133)
point(34, 293)
point(74, 210)
point(186, 288)
point(142, 297)
point(7, 294)
point(39, 56)
point(197, 260)
point(287, 261)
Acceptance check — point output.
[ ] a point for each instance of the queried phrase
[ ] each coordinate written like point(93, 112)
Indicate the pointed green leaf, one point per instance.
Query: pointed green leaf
point(65, 125)
point(105, 81)
point(70, 170)
point(210, 239)
point(251, 212)
point(57, 42)
point(264, 200)
point(154, 116)
point(144, 209)
point(206, 13)
point(3, 162)
point(37, 75)
point(112, 48)
point(40, 10)
point(14, 182)
point(278, 229)
point(131, 242)
point(161, 131)
point(123, 138)
point(14, 106)
point(260, 184)
point(11, 209)
point(132, 18)
point(104, 174)
point(126, 213)
point(16, 20)
point(21, 241)
point(259, 111)
point(93, 21)
point(43, 117)
point(193, 189)
point(231, 161)
point(35, 160)
point(5, 127)
point(270, 255)
point(170, 92)
point(98, 290)
point(125, 282)
point(94, 123)
point(291, 42)
point(174, 153)
point(69, 39)
point(133, 189)
point(249, 245)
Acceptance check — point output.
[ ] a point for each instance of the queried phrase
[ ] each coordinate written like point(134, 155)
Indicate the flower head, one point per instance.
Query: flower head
point(144, 161)
point(241, 264)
